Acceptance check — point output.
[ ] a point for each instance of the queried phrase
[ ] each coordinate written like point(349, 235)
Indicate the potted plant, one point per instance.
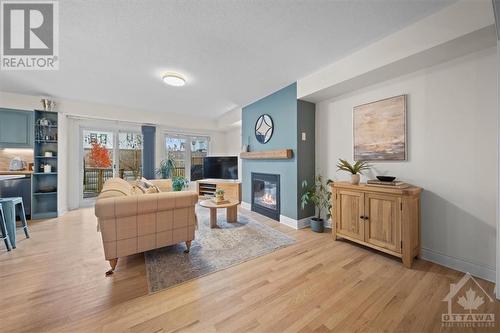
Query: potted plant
point(319, 195)
point(355, 169)
point(166, 168)
point(179, 183)
point(219, 196)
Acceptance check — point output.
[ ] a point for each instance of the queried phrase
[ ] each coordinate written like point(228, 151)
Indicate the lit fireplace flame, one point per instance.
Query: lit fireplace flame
point(268, 199)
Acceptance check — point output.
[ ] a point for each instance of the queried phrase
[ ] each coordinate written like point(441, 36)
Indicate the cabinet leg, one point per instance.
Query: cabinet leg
point(112, 263)
point(334, 233)
point(407, 261)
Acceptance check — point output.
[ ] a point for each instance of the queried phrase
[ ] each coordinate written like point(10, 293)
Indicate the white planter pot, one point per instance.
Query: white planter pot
point(355, 179)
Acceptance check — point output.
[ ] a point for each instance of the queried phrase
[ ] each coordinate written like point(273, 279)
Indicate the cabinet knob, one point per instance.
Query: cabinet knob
point(366, 217)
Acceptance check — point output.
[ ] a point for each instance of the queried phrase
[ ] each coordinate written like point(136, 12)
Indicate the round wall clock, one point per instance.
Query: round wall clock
point(264, 128)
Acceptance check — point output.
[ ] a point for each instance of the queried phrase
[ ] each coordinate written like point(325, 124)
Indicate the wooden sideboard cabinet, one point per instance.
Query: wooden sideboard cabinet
point(383, 218)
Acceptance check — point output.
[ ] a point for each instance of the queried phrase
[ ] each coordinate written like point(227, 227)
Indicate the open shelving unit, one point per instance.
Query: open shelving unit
point(206, 188)
point(44, 184)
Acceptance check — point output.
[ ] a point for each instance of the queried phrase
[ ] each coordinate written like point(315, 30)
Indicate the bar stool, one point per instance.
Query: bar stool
point(9, 206)
point(3, 229)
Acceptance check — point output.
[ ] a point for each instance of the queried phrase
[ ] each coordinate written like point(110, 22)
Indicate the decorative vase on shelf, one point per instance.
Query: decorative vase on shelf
point(355, 179)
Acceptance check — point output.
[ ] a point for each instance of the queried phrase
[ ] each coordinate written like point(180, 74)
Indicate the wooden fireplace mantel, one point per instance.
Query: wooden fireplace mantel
point(281, 154)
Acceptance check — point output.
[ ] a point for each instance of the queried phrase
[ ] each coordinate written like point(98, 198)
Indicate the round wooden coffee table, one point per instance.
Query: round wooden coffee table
point(231, 210)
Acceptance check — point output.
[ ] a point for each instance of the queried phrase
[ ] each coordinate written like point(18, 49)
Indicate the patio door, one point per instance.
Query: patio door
point(187, 152)
point(107, 154)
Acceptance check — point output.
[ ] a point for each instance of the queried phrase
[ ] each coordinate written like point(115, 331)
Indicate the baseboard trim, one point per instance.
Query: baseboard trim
point(304, 223)
point(295, 224)
point(481, 271)
point(289, 222)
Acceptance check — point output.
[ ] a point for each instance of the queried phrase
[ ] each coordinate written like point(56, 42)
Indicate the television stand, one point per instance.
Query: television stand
point(206, 188)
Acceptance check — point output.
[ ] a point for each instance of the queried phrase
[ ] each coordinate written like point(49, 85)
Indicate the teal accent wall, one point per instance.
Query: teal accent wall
point(282, 107)
point(291, 118)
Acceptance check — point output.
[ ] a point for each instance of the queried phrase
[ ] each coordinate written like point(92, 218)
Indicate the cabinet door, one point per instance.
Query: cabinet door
point(230, 191)
point(16, 129)
point(349, 214)
point(383, 226)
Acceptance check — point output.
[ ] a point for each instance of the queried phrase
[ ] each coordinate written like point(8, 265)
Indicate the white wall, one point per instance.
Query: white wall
point(452, 154)
point(232, 138)
point(110, 112)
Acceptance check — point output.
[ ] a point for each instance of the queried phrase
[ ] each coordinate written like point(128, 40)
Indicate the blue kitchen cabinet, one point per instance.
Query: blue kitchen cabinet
point(16, 128)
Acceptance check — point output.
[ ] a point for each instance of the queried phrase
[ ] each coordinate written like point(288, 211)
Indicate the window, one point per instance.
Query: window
point(104, 159)
point(188, 153)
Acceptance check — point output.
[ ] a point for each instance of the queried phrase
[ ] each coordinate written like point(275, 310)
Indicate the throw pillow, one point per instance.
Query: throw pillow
point(137, 190)
point(152, 189)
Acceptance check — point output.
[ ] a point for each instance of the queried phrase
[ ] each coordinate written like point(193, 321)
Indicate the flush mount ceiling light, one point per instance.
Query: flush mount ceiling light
point(174, 79)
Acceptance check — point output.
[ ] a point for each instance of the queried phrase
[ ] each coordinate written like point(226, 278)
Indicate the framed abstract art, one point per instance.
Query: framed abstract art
point(379, 130)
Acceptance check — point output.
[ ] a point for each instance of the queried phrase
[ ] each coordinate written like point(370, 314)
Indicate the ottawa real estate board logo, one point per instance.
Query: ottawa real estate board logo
point(30, 35)
point(469, 305)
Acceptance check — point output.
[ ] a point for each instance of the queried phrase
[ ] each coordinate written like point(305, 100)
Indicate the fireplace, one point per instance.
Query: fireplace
point(266, 194)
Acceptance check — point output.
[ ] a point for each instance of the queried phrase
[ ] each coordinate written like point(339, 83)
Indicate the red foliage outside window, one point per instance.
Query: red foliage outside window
point(99, 156)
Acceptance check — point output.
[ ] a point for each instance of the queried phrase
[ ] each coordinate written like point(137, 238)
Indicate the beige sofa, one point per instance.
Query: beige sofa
point(132, 222)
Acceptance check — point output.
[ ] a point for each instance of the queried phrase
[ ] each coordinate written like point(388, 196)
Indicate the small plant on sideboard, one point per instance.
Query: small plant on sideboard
point(354, 169)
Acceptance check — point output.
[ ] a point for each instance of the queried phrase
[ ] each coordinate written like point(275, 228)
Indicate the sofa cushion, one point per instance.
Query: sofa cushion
point(164, 185)
point(111, 194)
point(115, 187)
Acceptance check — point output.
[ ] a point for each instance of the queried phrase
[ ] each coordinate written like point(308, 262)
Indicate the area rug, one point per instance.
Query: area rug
point(212, 250)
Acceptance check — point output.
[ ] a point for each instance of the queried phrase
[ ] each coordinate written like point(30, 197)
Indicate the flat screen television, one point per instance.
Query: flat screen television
point(220, 167)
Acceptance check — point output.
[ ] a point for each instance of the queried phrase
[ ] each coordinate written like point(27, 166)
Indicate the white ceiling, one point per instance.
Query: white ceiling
point(232, 52)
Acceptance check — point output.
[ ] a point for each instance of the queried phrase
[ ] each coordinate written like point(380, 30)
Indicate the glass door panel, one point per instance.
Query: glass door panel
point(97, 161)
point(176, 149)
point(199, 150)
point(129, 155)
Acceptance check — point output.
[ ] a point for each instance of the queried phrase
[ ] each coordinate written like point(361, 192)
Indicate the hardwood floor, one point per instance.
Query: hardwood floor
point(55, 282)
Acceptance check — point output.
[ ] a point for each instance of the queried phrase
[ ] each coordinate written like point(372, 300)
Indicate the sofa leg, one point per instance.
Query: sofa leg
point(112, 263)
point(188, 246)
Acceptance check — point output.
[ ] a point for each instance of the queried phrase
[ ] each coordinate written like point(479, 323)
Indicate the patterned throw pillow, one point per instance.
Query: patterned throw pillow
point(152, 189)
point(145, 186)
point(137, 190)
